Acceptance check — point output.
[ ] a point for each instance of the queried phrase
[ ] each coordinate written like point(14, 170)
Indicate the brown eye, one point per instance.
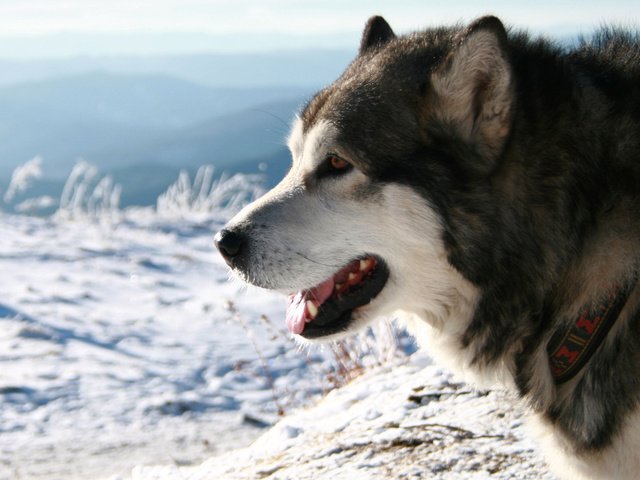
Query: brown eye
point(338, 163)
point(333, 166)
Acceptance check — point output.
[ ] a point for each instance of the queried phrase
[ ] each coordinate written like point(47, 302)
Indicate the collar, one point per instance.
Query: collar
point(571, 348)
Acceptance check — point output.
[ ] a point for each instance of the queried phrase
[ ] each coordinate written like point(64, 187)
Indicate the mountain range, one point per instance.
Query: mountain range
point(143, 122)
point(115, 121)
point(302, 68)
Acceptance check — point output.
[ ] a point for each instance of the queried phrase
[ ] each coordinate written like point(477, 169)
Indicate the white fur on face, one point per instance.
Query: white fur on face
point(308, 233)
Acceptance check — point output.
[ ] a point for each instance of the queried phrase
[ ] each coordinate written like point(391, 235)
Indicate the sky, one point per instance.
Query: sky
point(58, 27)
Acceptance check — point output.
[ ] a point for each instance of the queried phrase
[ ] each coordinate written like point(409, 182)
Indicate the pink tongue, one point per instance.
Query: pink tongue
point(296, 305)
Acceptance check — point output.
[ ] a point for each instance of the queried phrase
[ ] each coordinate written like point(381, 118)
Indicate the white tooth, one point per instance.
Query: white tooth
point(352, 277)
point(338, 286)
point(312, 309)
point(365, 264)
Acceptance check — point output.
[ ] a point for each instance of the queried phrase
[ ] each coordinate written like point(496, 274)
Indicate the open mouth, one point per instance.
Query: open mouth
point(328, 307)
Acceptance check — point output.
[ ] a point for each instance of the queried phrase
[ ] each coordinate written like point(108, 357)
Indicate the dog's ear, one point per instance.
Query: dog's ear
point(473, 86)
point(377, 32)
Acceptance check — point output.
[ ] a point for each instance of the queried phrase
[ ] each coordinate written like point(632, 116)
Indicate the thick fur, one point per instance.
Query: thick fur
point(498, 176)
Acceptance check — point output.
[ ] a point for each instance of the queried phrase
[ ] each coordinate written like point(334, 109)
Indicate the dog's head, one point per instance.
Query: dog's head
point(359, 227)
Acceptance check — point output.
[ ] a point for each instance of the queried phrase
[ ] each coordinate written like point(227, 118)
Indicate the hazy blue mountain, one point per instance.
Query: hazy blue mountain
point(152, 101)
point(119, 125)
point(104, 118)
point(142, 120)
point(224, 141)
point(306, 68)
point(29, 130)
point(251, 141)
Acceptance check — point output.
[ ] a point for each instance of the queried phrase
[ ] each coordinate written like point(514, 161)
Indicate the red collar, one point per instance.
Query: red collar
point(570, 349)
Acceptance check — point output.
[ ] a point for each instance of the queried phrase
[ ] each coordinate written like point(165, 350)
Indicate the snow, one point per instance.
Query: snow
point(403, 420)
point(124, 344)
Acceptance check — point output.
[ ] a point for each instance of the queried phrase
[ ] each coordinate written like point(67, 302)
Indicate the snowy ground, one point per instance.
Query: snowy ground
point(126, 344)
point(410, 421)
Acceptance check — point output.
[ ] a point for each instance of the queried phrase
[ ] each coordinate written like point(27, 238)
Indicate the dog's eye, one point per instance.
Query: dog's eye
point(334, 165)
point(338, 163)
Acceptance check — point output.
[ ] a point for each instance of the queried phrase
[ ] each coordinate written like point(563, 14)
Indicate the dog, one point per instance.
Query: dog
point(484, 185)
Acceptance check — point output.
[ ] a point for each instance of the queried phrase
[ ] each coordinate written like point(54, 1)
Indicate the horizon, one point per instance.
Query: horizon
point(62, 29)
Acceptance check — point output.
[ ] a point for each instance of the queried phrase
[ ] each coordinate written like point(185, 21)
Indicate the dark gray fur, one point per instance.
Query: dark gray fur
point(517, 221)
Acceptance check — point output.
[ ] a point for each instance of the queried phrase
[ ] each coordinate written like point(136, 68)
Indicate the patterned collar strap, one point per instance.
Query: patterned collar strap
point(569, 350)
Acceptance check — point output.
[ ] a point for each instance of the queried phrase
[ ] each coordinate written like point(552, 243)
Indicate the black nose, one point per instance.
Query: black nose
point(229, 243)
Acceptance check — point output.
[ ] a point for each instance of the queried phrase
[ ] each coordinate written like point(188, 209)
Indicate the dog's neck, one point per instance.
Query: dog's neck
point(570, 348)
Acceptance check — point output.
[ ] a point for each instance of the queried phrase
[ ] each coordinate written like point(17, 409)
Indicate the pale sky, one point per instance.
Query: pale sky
point(327, 21)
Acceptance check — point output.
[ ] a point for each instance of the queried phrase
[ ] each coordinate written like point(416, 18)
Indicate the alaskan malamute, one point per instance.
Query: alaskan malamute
point(486, 186)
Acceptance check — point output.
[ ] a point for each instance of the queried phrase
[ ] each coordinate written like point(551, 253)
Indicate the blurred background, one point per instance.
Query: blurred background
point(130, 131)
point(142, 89)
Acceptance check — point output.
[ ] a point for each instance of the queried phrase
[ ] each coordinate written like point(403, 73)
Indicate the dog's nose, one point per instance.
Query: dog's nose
point(229, 243)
